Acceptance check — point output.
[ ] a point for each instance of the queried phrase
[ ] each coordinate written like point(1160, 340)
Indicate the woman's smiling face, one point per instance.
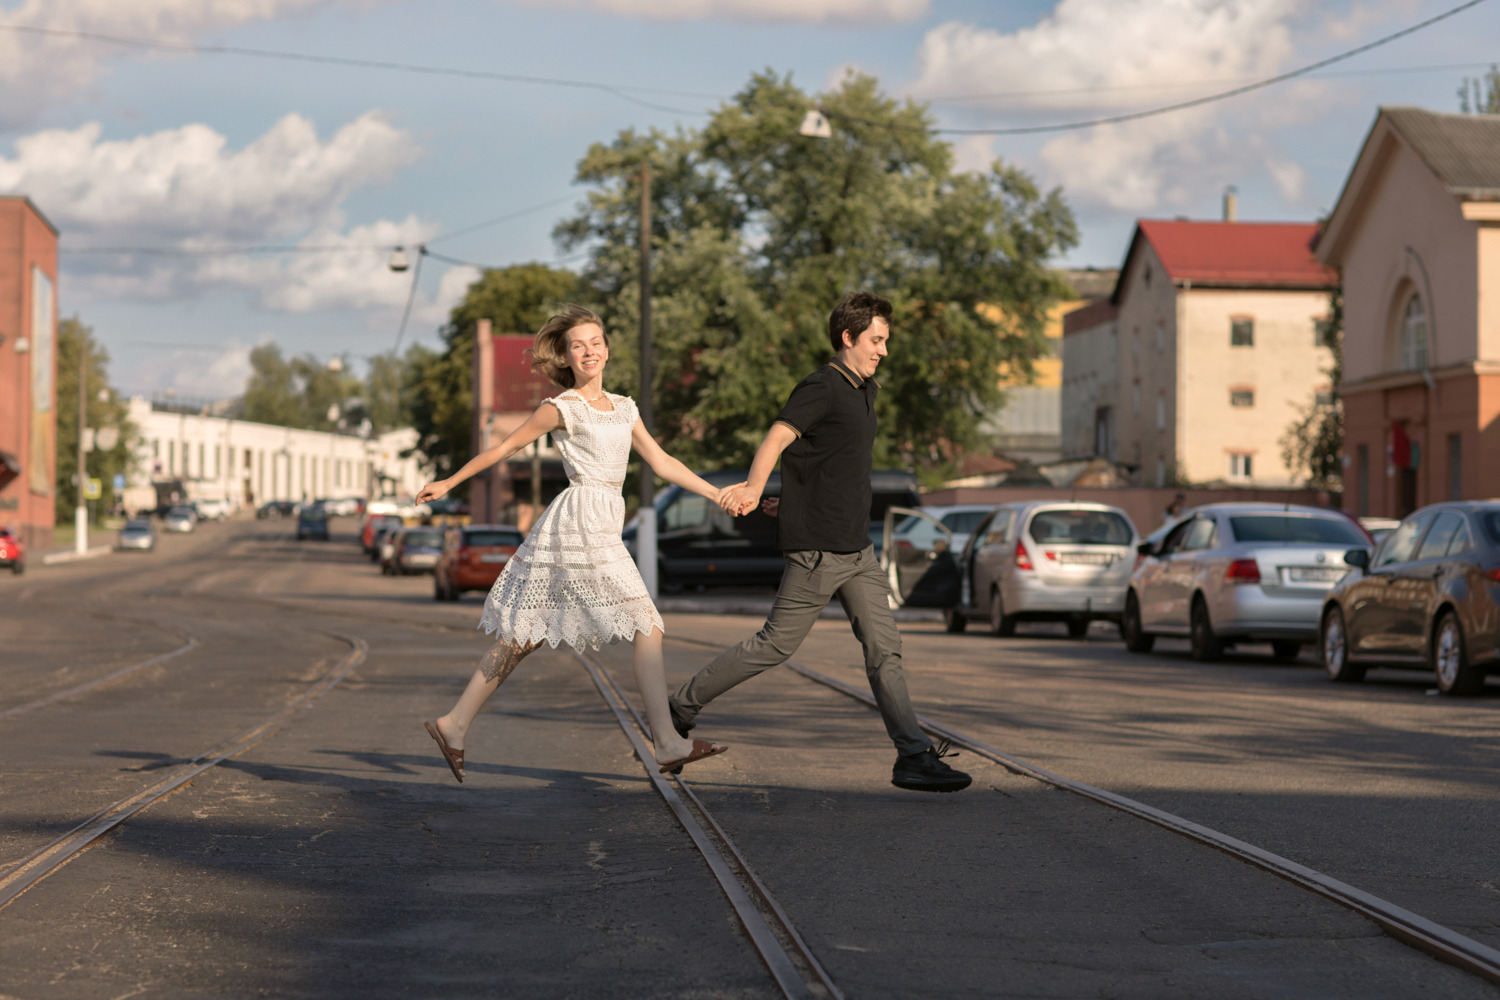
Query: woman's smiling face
point(587, 351)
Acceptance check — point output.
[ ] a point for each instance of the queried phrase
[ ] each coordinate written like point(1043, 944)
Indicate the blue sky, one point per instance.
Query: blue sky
point(121, 147)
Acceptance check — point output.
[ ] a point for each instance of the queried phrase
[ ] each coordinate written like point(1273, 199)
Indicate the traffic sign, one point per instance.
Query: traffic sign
point(118, 482)
point(94, 490)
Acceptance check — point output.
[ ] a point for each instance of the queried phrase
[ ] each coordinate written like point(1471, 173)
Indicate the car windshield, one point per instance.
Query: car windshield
point(1296, 528)
point(314, 514)
point(137, 526)
point(1080, 527)
point(419, 538)
point(1491, 521)
point(510, 538)
point(180, 512)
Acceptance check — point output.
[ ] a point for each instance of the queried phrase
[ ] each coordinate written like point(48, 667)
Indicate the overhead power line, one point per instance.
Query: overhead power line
point(622, 91)
point(1167, 109)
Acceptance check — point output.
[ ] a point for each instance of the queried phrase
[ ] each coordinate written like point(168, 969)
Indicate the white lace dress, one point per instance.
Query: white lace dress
point(573, 580)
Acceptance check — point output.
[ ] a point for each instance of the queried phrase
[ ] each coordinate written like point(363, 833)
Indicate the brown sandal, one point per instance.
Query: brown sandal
point(701, 749)
point(455, 758)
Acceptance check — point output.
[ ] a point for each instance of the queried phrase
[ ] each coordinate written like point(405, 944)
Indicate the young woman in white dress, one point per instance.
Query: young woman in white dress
point(572, 580)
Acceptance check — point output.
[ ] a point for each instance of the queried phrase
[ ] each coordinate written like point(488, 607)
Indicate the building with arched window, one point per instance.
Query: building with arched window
point(1416, 237)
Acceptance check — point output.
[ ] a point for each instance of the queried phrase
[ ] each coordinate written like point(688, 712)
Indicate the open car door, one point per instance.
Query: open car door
point(920, 564)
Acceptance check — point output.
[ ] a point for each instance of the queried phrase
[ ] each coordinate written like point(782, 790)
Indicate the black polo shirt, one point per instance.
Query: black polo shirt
point(825, 473)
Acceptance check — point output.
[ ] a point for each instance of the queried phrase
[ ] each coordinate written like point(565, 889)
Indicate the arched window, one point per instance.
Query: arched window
point(1414, 336)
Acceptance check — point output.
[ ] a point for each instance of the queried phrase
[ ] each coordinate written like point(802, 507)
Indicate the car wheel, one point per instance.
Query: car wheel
point(1078, 628)
point(1001, 624)
point(1450, 660)
point(1334, 647)
point(1286, 650)
point(1137, 639)
point(1206, 646)
point(18, 569)
point(953, 620)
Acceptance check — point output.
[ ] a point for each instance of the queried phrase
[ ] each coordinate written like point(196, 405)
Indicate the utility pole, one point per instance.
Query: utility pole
point(81, 512)
point(645, 535)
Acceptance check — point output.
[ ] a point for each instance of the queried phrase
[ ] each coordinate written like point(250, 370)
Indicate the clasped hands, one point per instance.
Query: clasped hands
point(740, 499)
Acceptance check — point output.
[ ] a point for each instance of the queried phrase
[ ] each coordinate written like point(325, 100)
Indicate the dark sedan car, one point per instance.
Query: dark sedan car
point(1427, 597)
point(312, 522)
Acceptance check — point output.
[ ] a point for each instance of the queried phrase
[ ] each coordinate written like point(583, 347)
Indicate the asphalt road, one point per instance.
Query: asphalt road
point(336, 857)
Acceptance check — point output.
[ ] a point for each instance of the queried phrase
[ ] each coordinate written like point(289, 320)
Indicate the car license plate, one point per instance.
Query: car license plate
point(1313, 574)
point(1085, 558)
point(494, 557)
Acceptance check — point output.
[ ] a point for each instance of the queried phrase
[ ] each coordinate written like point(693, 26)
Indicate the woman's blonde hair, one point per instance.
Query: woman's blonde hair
point(549, 355)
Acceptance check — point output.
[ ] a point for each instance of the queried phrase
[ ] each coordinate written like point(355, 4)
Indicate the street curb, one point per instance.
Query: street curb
point(52, 558)
point(760, 609)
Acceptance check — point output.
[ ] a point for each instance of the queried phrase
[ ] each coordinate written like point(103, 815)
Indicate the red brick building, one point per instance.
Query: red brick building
point(506, 392)
point(28, 371)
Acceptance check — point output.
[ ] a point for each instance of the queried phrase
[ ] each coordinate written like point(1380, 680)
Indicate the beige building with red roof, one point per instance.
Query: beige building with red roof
point(1214, 336)
point(1416, 236)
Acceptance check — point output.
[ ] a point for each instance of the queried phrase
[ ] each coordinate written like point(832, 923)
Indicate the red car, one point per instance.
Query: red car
point(11, 552)
point(371, 527)
point(473, 558)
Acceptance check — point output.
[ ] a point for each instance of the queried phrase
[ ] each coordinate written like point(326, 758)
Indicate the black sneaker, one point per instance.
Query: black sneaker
point(680, 722)
point(926, 772)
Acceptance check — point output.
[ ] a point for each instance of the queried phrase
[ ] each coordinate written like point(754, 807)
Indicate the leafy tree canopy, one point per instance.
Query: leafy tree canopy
point(756, 233)
point(1313, 445)
point(104, 408)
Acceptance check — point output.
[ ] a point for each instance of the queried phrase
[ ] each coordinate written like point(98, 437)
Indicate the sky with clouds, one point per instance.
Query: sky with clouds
point(193, 154)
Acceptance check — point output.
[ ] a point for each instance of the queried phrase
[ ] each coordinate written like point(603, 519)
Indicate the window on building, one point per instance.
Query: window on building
point(1455, 466)
point(1161, 413)
point(1241, 466)
point(1135, 398)
point(156, 447)
point(1324, 334)
point(172, 458)
point(1242, 332)
point(1414, 336)
point(1146, 274)
point(1362, 479)
point(202, 460)
point(1241, 397)
point(1161, 471)
point(1161, 337)
point(1104, 438)
point(1324, 397)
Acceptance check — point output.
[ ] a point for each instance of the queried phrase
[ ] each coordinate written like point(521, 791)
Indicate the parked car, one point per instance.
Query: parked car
point(697, 543)
point(413, 550)
point(215, 509)
point(275, 509)
point(342, 507)
point(380, 531)
point(12, 552)
point(1229, 573)
point(312, 522)
point(473, 558)
point(138, 534)
point(1427, 597)
point(1038, 561)
point(182, 519)
point(925, 532)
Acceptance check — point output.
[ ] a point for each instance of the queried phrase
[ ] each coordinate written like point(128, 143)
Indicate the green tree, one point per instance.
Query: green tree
point(438, 391)
point(1313, 445)
point(296, 392)
point(756, 233)
point(1481, 95)
point(104, 409)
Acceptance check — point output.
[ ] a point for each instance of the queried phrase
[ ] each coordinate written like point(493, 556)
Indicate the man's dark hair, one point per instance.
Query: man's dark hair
point(854, 313)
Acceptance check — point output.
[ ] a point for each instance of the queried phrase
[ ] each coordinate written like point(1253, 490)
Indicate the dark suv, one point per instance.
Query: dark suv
point(699, 544)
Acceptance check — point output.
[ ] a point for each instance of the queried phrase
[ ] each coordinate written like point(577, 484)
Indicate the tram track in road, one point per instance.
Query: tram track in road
point(32, 869)
point(1428, 936)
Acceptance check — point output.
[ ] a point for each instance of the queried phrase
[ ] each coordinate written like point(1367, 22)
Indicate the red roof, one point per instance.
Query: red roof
point(1238, 254)
point(517, 388)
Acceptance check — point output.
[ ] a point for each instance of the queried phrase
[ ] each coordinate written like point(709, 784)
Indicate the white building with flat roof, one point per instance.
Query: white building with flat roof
point(204, 457)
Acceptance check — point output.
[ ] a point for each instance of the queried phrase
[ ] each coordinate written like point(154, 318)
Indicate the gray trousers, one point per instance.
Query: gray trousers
point(809, 583)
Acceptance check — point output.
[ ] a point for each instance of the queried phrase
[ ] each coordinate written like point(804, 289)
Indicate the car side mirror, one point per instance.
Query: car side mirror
point(1146, 549)
point(1358, 558)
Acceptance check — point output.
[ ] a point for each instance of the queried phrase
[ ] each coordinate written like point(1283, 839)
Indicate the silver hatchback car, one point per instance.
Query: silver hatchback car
point(1239, 572)
point(1044, 561)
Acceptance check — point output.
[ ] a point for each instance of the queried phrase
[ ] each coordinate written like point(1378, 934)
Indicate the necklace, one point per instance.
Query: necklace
point(595, 399)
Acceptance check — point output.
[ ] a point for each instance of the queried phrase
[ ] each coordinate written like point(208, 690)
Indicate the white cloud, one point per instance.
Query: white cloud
point(198, 374)
point(38, 71)
point(814, 11)
point(1095, 58)
point(185, 185)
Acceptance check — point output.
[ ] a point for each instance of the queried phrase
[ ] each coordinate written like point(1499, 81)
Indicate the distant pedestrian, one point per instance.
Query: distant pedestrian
point(1173, 513)
point(824, 436)
point(572, 580)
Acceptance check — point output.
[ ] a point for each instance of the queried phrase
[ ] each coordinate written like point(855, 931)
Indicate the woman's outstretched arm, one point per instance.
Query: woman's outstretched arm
point(545, 420)
point(669, 468)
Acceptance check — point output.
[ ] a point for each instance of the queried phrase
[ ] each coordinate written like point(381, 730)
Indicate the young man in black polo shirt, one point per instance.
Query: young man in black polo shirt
point(824, 437)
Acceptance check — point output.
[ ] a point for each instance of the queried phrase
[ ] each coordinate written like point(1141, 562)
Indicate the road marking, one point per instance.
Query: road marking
point(192, 643)
point(1410, 928)
point(52, 857)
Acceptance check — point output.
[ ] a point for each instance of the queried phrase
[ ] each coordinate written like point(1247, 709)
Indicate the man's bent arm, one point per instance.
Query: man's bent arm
point(744, 498)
